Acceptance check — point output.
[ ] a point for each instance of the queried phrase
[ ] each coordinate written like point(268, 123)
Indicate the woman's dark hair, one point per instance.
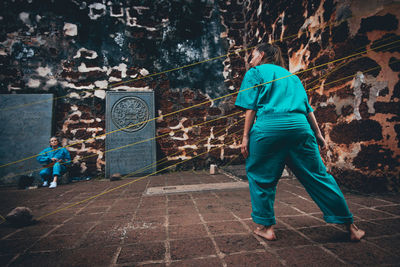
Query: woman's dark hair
point(272, 54)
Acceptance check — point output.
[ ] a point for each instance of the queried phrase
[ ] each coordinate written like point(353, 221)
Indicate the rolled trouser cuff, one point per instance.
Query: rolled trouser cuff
point(263, 220)
point(339, 219)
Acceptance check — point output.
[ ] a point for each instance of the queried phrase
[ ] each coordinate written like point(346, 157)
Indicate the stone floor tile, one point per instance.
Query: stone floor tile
point(204, 262)
point(224, 228)
point(308, 256)
point(32, 231)
point(14, 246)
point(95, 210)
point(183, 219)
point(56, 242)
point(191, 248)
point(286, 210)
point(182, 210)
point(370, 214)
point(187, 231)
point(361, 254)
point(114, 215)
point(86, 218)
point(131, 235)
point(237, 243)
point(148, 222)
point(326, 234)
point(151, 212)
point(215, 217)
point(76, 228)
point(394, 209)
point(106, 238)
point(389, 243)
point(174, 197)
point(288, 238)
point(301, 221)
point(140, 252)
point(366, 201)
point(180, 203)
point(252, 225)
point(252, 259)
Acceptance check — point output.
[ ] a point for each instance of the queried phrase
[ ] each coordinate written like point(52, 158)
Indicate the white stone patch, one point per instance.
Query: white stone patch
point(132, 21)
point(119, 39)
point(358, 81)
point(2, 52)
point(259, 8)
point(74, 95)
point(74, 108)
point(24, 16)
point(73, 86)
point(114, 79)
point(70, 29)
point(43, 71)
point(98, 119)
point(51, 82)
point(93, 56)
point(97, 6)
point(117, 15)
point(98, 129)
point(129, 89)
point(38, 18)
point(100, 93)
point(83, 68)
point(144, 72)
point(33, 83)
point(101, 84)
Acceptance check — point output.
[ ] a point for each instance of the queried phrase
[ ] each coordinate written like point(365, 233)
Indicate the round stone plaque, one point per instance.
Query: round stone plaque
point(128, 112)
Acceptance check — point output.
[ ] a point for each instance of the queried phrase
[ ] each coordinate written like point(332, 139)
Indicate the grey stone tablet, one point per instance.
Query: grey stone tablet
point(132, 143)
point(25, 129)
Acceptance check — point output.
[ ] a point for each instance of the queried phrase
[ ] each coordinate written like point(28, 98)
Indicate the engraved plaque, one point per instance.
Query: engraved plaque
point(127, 118)
point(25, 130)
point(128, 113)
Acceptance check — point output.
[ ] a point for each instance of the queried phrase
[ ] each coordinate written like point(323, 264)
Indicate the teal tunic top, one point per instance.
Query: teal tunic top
point(280, 92)
point(48, 153)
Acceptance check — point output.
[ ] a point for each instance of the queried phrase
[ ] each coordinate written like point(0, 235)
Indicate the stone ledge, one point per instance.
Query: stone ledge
point(160, 190)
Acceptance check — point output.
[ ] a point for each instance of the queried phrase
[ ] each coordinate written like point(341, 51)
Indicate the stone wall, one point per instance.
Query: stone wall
point(79, 50)
point(358, 115)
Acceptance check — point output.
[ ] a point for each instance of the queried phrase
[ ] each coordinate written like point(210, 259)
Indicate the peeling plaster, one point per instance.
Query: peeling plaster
point(70, 29)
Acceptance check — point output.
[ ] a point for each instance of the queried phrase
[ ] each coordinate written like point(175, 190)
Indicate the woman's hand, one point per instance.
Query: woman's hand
point(244, 146)
point(321, 141)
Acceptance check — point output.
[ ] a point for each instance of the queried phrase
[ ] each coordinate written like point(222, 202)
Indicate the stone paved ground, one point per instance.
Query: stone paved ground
point(213, 228)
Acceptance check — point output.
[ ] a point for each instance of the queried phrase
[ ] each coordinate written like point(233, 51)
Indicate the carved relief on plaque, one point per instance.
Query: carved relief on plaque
point(128, 113)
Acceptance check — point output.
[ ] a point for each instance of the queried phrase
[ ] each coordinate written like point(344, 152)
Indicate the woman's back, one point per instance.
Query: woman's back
point(280, 92)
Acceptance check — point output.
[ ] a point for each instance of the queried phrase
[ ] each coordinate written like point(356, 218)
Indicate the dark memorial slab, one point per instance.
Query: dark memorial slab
point(132, 151)
point(25, 129)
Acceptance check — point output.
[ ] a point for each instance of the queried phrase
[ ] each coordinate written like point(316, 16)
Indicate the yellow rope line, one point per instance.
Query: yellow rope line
point(200, 104)
point(132, 144)
point(350, 76)
point(123, 185)
point(170, 70)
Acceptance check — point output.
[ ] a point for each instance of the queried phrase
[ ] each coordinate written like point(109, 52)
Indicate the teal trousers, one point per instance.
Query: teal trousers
point(283, 139)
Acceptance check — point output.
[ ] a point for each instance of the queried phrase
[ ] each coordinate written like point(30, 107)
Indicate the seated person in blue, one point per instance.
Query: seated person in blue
point(55, 160)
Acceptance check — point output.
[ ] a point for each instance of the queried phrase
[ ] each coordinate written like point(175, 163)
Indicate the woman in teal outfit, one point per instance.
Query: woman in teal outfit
point(285, 132)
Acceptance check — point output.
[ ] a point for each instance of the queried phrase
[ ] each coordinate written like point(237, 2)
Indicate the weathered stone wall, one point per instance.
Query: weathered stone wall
point(79, 50)
point(358, 115)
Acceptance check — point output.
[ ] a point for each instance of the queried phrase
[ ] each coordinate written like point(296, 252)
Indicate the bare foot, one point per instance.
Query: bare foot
point(267, 232)
point(355, 233)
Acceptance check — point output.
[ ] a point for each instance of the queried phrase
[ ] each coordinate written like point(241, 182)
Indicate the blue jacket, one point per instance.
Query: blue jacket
point(59, 153)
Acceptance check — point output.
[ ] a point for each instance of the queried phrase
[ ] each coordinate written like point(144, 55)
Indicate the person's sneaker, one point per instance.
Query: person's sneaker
point(45, 183)
point(53, 185)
